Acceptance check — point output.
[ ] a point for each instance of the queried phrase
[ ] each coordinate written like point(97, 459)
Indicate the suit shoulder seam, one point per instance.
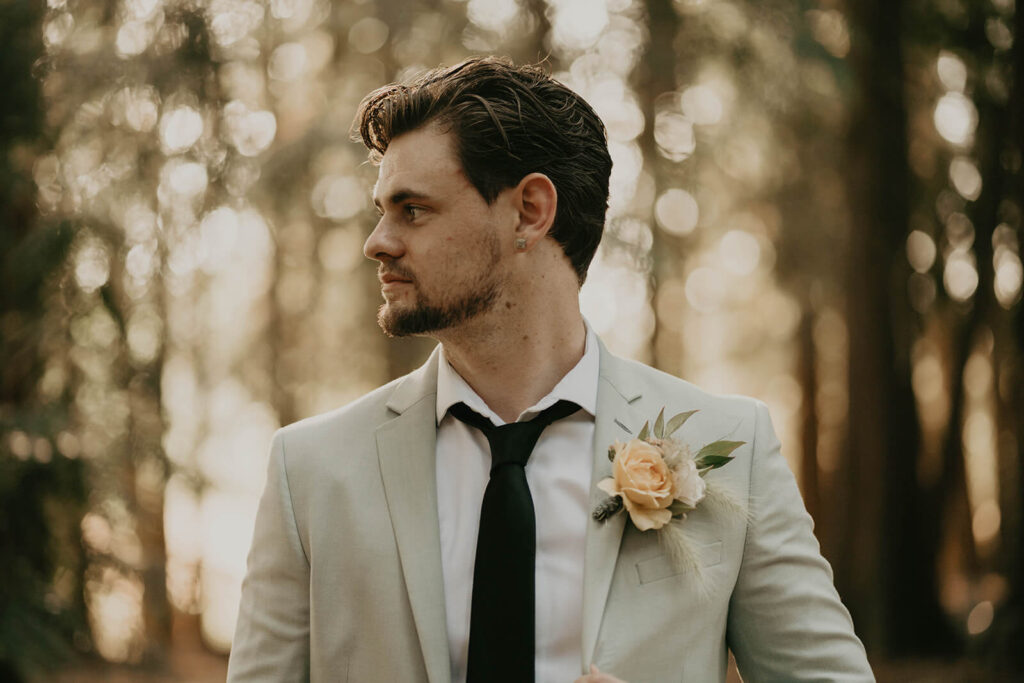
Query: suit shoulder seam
point(291, 501)
point(750, 481)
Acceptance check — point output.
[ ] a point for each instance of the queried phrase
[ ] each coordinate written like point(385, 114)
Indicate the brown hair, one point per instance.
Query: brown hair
point(509, 121)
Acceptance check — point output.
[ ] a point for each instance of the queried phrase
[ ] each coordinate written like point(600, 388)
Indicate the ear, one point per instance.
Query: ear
point(536, 201)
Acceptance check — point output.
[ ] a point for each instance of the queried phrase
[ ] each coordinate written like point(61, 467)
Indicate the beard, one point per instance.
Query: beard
point(426, 317)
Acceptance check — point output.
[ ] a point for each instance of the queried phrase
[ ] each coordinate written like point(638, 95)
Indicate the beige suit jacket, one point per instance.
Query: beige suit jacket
point(344, 575)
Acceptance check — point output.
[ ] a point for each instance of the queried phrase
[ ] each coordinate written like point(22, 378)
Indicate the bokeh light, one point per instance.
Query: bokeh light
point(921, 251)
point(965, 177)
point(701, 105)
point(960, 277)
point(952, 71)
point(677, 211)
point(956, 118)
point(180, 128)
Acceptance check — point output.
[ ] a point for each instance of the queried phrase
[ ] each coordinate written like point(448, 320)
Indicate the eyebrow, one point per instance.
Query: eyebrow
point(400, 196)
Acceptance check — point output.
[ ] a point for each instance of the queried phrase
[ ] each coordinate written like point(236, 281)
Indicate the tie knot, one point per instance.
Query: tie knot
point(512, 443)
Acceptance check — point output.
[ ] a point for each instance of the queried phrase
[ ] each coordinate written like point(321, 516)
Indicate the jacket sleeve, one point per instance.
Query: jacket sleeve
point(786, 621)
point(271, 641)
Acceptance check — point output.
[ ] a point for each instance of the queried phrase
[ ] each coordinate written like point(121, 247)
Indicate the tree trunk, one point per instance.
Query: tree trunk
point(1009, 621)
point(885, 571)
point(807, 375)
point(656, 76)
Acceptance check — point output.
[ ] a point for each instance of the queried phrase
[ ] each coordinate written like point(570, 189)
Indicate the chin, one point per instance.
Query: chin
point(408, 321)
point(424, 318)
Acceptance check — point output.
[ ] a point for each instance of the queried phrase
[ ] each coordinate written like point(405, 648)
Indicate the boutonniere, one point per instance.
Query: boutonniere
point(657, 480)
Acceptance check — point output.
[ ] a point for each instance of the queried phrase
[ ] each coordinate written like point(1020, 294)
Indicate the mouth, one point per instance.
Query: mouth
point(391, 284)
point(391, 279)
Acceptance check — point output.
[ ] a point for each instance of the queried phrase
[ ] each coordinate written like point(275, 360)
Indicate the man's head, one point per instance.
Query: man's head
point(508, 121)
point(437, 240)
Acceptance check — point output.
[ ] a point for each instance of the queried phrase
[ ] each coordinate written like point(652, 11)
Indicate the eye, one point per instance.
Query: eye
point(413, 212)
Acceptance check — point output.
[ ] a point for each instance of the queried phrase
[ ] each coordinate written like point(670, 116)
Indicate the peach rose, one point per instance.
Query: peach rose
point(645, 482)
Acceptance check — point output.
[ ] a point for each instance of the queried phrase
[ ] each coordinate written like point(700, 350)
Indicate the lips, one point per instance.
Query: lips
point(391, 276)
point(391, 284)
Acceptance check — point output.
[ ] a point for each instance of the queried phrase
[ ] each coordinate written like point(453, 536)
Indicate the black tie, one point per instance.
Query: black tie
point(502, 626)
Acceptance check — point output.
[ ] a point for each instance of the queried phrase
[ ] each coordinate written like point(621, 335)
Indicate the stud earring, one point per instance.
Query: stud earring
point(520, 243)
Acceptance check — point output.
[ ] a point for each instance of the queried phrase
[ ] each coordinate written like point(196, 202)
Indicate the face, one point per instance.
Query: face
point(437, 240)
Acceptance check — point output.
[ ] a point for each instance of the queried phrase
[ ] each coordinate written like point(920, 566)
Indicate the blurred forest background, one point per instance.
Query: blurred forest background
point(815, 202)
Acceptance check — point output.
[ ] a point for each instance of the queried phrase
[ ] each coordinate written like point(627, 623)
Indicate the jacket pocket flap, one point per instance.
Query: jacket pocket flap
point(661, 567)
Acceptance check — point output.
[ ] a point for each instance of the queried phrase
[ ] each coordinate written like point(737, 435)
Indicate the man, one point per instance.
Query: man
point(378, 554)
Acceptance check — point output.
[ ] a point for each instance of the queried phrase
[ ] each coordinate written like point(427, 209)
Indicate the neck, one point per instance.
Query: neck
point(515, 355)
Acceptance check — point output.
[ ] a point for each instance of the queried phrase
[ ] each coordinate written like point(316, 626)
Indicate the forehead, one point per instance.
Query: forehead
point(424, 160)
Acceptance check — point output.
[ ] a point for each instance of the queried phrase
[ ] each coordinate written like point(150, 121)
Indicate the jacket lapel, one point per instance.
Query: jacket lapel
point(617, 419)
point(406, 451)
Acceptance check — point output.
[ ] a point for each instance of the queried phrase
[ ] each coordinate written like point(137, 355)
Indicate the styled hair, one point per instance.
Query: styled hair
point(508, 121)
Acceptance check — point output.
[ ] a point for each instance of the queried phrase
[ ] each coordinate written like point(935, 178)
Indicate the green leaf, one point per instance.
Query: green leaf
point(659, 425)
point(720, 448)
point(716, 454)
point(611, 453)
point(644, 432)
point(710, 462)
point(677, 422)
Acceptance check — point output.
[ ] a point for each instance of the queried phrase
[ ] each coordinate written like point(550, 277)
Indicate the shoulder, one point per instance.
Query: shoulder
point(339, 445)
point(351, 429)
point(675, 394)
point(356, 422)
point(366, 411)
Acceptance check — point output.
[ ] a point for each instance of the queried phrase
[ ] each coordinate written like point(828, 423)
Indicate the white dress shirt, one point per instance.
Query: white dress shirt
point(558, 472)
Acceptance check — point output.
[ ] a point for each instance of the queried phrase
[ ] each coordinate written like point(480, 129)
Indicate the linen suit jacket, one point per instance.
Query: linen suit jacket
point(344, 577)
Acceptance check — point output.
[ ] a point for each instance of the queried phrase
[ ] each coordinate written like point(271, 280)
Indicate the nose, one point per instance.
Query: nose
point(383, 243)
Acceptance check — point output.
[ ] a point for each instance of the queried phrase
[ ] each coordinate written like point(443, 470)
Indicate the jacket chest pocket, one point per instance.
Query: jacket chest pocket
point(660, 566)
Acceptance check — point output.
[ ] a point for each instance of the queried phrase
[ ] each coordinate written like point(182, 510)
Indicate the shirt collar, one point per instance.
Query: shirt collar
point(579, 385)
